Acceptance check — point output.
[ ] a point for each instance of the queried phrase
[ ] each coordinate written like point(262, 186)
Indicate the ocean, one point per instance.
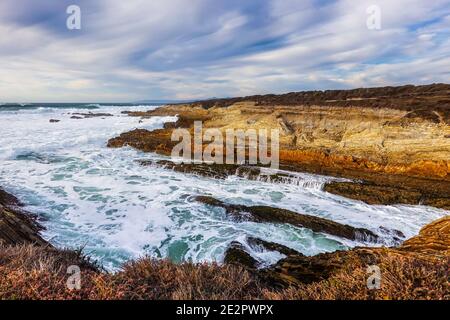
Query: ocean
point(100, 199)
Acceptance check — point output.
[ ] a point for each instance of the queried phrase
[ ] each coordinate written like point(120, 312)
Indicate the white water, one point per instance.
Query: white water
point(98, 198)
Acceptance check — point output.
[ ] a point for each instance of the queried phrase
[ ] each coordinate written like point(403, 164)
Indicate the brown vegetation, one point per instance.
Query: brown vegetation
point(30, 272)
point(402, 278)
point(418, 269)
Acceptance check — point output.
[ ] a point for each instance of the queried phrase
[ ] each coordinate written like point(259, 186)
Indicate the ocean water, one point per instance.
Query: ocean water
point(102, 200)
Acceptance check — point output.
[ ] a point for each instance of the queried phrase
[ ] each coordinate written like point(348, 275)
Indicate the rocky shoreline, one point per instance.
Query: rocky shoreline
point(395, 151)
point(25, 254)
point(277, 215)
point(382, 146)
point(16, 225)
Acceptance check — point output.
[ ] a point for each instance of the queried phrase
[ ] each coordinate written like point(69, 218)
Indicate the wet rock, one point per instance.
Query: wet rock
point(16, 225)
point(169, 125)
point(373, 194)
point(217, 171)
point(277, 215)
point(54, 120)
point(433, 242)
point(7, 199)
point(396, 235)
point(272, 246)
point(381, 191)
point(79, 115)
point(236, 254)
point(223, 171)
point(296, 268)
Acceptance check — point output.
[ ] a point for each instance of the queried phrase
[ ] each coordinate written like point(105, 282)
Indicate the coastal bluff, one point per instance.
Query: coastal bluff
point(393, 142)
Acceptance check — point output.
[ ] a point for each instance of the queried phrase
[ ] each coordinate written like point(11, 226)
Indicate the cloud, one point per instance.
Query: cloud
point(182, 49)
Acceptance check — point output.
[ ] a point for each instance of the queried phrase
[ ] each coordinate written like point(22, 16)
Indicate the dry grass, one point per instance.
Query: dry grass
point(403, 277)
point(150, 279)
point(28, 272)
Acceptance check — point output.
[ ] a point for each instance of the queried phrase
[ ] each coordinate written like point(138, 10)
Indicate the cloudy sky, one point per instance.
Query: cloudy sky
point(191, 49)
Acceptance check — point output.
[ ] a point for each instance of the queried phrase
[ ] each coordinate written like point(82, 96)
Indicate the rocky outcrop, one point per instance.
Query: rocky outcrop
point(386, 194)
point(271, 246)
point(380, 189)
point(296, 269)
point(433, 239)
point(148, 141)
point(432, 244)
point(278, 215)
point(223, 171)
point(78, 115)
point(237, 253)
point(16, 225)
point(383, 137)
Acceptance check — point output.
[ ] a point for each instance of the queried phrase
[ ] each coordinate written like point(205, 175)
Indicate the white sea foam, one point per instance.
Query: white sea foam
point(101, 199)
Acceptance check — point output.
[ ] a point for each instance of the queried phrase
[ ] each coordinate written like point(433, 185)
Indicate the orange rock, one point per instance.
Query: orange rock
point(433, 239)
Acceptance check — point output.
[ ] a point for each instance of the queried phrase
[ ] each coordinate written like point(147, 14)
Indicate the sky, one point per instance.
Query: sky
point(195, 49)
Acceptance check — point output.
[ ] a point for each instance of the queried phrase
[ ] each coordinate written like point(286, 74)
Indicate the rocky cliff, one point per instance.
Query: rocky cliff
point(396, 140)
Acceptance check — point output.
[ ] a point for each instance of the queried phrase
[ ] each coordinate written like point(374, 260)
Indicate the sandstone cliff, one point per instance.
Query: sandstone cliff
point(394, 138)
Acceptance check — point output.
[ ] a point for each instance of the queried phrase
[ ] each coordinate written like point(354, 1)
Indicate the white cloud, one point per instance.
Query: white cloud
point(171, 49)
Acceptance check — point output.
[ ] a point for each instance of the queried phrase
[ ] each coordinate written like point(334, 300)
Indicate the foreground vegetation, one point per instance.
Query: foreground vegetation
point(31, 272)
point(30, 268)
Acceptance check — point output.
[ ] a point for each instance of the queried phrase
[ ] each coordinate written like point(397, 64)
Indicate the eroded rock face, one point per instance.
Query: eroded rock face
point(16, 225)
point(217, 171)
point(386, 194)
point(277, 215)
point(419, 101)
point(385, 137)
